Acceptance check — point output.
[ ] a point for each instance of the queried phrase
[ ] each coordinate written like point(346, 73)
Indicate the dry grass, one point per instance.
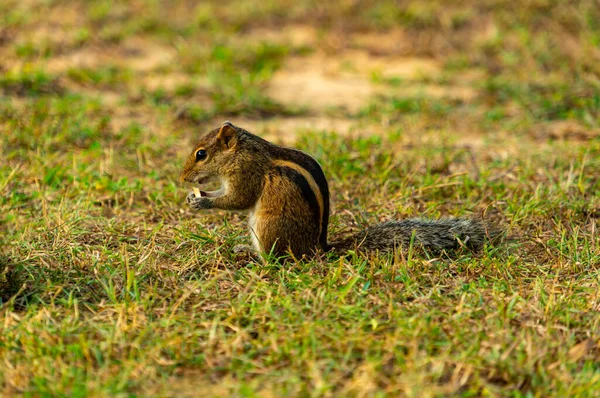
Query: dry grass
point(110, 286)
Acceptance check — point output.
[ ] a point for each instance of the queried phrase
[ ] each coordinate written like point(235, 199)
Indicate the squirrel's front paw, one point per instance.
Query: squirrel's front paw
point(199, 202)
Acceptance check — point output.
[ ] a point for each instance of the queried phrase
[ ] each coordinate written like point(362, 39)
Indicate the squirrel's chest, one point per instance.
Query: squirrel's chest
point(253, 224)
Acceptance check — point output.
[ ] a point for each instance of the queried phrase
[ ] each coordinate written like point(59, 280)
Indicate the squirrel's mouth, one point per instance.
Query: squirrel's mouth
point(211, 194)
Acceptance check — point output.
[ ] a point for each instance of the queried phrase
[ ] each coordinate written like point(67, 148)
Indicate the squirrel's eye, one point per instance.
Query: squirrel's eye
point(200, 155)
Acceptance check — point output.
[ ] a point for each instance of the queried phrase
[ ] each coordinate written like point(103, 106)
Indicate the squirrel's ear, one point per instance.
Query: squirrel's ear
point(228, 135)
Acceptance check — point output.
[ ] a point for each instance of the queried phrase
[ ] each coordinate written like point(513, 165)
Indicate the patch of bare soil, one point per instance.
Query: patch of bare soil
point(564, 130)
point(395, 41)
point(343, 80)
point(343, 73)
point(136, 54)
point(166, 81)
point(347, 71)
point(294, 35)
point(458, 92)
point(305, 82)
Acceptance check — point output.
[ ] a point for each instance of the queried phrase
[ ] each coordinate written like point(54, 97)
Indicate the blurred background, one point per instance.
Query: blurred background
point(276, 67)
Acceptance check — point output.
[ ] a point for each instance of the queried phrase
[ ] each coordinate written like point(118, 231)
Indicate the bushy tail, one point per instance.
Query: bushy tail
point(443, 234)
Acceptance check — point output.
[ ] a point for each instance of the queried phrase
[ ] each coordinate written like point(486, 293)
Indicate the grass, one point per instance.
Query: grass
point(110, 286)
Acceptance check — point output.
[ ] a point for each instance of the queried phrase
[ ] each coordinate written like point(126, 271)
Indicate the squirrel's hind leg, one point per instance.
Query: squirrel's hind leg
point(284, 238)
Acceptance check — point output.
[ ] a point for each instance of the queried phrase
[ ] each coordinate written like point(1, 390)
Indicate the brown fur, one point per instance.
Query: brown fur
point(287, 196)
point(281, 222)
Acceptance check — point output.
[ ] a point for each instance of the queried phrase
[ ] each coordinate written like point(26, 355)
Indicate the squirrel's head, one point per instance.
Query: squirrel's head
point(211, 156)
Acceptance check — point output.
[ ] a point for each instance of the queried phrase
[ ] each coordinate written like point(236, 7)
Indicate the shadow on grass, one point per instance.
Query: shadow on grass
point(12, 286)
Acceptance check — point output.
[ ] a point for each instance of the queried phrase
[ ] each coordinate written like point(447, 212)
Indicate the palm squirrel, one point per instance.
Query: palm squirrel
point(287, 196)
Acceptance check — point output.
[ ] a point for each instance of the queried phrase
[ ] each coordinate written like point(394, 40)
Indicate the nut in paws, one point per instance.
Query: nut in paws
point(198, 202)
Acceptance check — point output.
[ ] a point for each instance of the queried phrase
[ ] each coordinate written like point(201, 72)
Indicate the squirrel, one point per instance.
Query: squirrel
point(287, 196)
